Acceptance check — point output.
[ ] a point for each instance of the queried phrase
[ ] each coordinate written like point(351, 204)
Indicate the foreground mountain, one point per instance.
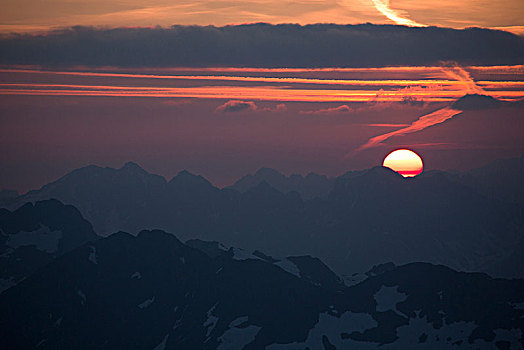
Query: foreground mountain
point(152, 291)
point(35, 234)
point(367, 217)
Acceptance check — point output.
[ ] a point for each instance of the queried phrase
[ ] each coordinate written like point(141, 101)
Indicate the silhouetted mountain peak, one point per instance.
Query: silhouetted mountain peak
point(382, 173)
point(311, 186)
point(87, 170)
point(133, 167)
point(268, 173)
point(158, 235)
point(212, 249)
point(185, 178)
point(476, 102)
point(315, 176)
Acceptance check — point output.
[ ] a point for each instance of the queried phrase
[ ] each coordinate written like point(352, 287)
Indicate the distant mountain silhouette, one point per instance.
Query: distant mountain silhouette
point(368, 217)
point(427, 218)
point(33, 235)
point(310, 186)
point(153, 291)
point(8, 194)
point(107, 197)
point(502, 179)
point(476, 102)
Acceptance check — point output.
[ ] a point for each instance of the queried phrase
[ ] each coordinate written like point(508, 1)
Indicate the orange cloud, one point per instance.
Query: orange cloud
point(250, 84)
point(339, 109)
point(454, 71)
point(421, 123)
point(238, 106)
point(397, 16)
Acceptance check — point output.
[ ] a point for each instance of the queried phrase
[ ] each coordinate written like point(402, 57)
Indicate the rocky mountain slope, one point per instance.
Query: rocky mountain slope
point(35, 234)
point(153, 291)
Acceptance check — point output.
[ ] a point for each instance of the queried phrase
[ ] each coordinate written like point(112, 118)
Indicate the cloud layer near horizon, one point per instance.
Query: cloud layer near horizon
point(264, 45)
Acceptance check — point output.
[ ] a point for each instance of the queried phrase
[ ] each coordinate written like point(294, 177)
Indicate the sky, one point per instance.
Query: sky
point(223, 102)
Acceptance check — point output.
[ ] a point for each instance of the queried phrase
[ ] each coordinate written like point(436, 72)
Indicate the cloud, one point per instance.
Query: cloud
point(339, 109)
point(281, 107)
point(237, 106)
point(454, 71)
point(390, 125)
point(399, 17)
point(412, 101)
point(421, 123)
point(263, 45)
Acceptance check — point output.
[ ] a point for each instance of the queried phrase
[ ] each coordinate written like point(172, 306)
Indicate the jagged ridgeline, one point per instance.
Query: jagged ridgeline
point(153, 291)
point(469, 221)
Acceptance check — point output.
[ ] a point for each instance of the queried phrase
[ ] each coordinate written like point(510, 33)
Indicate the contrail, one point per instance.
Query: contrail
point(453, 71)
point(399, 17)
point(421, 123)
point(462, 76)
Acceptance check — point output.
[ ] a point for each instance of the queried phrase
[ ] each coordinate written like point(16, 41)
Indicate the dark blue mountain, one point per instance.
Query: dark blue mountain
point(153, 291)
point(368, 217)
point(35, 234)
point(310, 186)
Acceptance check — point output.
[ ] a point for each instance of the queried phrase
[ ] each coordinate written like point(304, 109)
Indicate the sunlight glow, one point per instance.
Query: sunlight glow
point(405, 162)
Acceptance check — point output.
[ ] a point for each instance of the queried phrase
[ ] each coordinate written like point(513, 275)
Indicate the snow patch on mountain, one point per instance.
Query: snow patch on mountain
point(146, 303)
point(289, 266)
point(211, 321)
point(82, 296)
point(42, 239)
point(241, 254)
point(387, 298)
point(331, 327)
point(162, 344)
point(93, 256)
point(354, 279)
point(235, 337)
point(508, 336)
point(518, 306)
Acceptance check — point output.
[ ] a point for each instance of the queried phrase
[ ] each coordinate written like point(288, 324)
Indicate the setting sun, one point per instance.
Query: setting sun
point(405, 162)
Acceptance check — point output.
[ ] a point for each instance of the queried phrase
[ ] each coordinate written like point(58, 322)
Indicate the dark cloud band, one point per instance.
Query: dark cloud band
point(263, 45)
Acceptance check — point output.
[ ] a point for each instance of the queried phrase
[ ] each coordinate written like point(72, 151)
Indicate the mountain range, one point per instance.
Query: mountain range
point(153, 291)
point(469, 221)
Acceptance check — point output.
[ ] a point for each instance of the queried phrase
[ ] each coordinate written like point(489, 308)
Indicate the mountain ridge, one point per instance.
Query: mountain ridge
point(367, 217)
point(174, 296)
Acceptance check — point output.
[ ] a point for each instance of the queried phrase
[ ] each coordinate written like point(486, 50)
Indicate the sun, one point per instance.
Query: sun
point(405, 162)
